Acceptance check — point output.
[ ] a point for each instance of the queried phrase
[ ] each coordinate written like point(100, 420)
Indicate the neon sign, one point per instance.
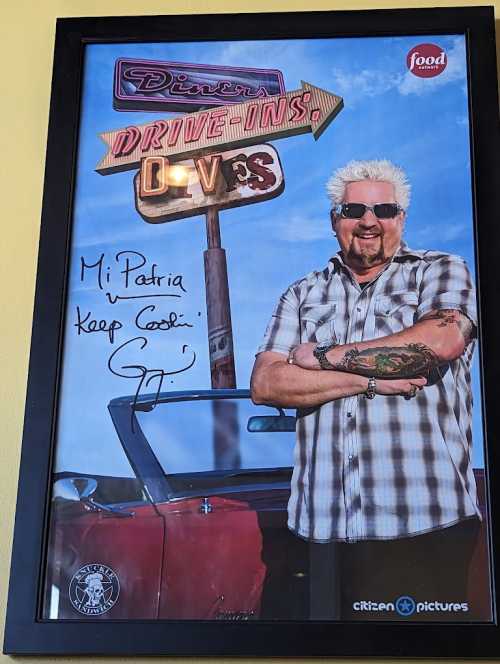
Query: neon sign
point(308, 109)
point(173, 86)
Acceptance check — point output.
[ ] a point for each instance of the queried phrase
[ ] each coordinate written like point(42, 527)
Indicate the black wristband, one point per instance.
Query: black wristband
point(320, 354)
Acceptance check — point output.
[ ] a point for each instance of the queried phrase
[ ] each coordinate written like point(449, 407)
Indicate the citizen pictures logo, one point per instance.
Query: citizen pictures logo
point(94, 589)
point(406, 606)
point(426, 60)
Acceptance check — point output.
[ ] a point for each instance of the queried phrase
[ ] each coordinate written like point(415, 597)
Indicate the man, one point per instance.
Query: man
point(374, 351)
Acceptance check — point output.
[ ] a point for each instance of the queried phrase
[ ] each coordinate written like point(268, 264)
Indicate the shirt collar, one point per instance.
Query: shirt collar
point(405, 252)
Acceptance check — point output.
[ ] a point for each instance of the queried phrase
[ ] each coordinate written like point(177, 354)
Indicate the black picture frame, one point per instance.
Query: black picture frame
point(25, 634)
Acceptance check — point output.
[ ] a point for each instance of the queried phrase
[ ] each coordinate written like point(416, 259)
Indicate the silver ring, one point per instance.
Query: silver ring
point(291, 359)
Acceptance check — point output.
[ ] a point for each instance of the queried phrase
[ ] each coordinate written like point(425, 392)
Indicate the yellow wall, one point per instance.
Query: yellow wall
point(27, 37)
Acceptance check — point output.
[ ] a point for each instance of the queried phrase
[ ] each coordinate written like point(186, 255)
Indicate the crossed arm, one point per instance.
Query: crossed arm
point(400, 361)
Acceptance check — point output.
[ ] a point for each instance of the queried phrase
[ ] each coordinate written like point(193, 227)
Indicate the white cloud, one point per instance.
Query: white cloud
point(299, 228)
point(101, 201)
point(448, 232)
point(374, 82)
point(455, 70)
point(107, 234)
point(286, 56)
point(366, 83)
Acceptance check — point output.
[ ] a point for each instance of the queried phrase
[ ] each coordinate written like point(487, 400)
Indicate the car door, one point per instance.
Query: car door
point(104, 564)
point(212, 565)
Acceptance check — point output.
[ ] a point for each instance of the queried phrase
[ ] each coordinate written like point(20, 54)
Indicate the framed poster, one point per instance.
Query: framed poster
point(260, 415)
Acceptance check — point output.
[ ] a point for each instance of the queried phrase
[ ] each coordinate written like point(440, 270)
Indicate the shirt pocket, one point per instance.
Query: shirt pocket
point(318, 322)
point(396, 311)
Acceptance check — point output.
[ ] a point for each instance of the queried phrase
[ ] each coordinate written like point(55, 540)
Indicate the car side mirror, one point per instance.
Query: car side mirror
point(271, 423)
point(74, 489)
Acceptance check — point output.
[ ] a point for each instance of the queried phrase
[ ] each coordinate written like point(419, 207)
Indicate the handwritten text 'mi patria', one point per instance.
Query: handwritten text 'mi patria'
point(129, 273)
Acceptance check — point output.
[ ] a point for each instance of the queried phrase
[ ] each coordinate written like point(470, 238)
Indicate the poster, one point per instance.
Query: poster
point(169, 503)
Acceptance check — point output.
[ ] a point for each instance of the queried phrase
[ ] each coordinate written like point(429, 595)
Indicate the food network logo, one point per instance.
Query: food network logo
point(426, 60)
point(406, 606)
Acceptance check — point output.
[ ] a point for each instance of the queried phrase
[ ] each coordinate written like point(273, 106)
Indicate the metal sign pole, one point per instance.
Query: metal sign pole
point(220, 331)
point(220, 344)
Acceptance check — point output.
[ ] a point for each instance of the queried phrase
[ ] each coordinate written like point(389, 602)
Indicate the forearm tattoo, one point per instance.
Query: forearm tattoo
point(407, 361)
point(447, 317)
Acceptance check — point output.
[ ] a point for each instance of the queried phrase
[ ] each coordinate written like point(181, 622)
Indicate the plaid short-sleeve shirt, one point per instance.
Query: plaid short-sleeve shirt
point(387, 467)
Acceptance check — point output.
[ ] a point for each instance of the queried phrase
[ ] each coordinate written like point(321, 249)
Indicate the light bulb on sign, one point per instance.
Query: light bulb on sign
point(178, 180)
point(178, 176)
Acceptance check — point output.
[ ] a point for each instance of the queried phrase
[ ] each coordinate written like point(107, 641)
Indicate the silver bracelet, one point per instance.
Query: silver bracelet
point(370, 390)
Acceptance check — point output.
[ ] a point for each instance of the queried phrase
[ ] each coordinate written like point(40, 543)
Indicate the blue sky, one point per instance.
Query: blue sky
point(420, 124)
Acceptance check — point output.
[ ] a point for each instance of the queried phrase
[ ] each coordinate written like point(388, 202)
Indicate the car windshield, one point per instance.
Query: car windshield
point(212, 434)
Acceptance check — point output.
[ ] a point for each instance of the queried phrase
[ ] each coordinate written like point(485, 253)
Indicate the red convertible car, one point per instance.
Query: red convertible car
point(200, 532)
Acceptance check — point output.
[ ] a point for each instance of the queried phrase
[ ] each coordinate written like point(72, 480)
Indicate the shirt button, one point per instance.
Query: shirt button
point(349, 414)
point(350, 457)
point(358, 309)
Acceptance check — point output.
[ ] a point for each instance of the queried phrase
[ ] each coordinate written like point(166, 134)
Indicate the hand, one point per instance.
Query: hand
point(403, 386)
point(302, 356)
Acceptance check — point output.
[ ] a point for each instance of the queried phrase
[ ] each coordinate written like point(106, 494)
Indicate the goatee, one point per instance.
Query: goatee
point(367, 260)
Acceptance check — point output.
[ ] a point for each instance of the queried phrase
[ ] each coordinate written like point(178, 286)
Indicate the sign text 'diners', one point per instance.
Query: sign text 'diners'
point(165, 191)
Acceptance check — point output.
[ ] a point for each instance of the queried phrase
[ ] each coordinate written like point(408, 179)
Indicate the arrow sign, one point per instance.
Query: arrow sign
point(222, 128)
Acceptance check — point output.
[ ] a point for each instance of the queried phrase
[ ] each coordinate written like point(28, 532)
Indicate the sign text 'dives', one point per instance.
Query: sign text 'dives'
point(166, 191)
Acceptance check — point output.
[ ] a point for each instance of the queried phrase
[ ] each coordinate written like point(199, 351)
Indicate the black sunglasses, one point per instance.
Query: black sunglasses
point(357, 210)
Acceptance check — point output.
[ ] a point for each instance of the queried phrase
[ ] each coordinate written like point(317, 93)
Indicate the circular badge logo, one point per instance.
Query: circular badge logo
point(405, 605)
point(426, 60)
point(94, 589)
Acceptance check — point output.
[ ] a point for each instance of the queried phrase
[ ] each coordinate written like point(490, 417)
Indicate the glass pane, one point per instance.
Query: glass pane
point(204, 435)
point(153, 305)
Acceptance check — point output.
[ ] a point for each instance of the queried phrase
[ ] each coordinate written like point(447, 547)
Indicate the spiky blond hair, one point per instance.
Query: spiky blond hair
point(382, 170)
